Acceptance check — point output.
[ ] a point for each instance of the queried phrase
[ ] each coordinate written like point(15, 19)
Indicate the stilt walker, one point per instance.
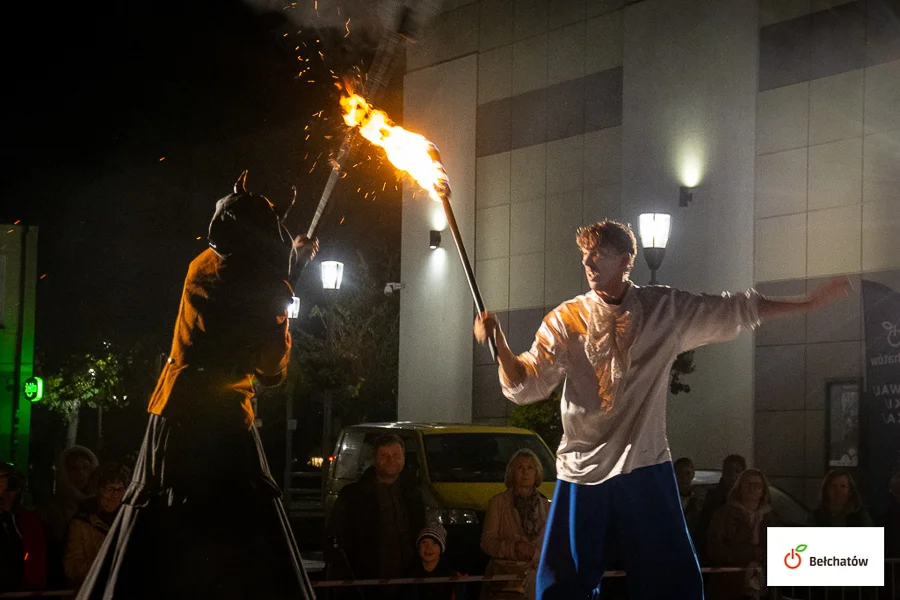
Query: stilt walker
point(203, 517)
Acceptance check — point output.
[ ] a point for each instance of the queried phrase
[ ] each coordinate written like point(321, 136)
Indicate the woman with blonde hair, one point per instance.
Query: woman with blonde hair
point(737, 538)
point(839, 503)
point(514, 528)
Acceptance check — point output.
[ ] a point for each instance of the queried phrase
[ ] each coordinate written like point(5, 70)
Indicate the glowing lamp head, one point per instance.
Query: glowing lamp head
point(332, 273)
point(654, 229)
point(294, 308)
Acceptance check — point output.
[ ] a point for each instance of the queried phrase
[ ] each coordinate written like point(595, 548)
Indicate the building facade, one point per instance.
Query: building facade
point(18, 280)
point(784, 118)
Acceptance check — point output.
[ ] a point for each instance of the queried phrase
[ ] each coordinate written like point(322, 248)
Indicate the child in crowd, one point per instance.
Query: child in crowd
point(431, 544)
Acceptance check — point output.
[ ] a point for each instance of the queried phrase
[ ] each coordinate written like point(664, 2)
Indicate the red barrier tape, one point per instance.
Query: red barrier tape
point(471, 578)
point(369, 582)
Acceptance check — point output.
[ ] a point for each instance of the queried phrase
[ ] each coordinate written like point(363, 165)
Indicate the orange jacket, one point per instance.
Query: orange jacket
point(232, 326)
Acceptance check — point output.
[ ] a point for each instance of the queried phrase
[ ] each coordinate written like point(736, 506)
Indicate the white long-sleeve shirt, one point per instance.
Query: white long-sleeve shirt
point(616, 360)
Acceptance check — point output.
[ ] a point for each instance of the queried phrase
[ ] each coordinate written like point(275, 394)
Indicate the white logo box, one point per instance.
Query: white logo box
point(825, 556)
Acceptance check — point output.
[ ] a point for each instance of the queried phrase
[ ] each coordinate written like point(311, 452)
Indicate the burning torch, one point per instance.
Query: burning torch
point(390, 47)
point(419, 157)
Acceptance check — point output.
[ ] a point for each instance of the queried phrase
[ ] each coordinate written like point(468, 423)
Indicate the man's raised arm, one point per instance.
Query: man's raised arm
point(822, 295)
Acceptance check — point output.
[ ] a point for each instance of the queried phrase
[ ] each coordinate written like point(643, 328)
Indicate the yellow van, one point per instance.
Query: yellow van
point(458, 467)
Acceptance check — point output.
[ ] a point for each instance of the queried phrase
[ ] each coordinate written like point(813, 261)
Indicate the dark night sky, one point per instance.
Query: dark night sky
point(96, 93)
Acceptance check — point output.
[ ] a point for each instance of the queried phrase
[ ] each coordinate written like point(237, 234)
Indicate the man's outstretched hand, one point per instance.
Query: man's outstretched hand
point(819, 297)
point(825, 293)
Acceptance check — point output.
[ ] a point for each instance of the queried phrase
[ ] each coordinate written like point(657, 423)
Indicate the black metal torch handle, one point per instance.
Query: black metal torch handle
point(467, 266)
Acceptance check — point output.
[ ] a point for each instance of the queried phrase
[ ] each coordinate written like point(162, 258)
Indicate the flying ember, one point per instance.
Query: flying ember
point(406, 150)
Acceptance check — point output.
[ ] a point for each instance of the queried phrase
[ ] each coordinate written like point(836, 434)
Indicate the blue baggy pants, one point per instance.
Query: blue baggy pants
point(635, 519)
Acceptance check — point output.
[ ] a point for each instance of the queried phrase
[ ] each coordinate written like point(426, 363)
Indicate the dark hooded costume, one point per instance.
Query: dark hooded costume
point(203, 517)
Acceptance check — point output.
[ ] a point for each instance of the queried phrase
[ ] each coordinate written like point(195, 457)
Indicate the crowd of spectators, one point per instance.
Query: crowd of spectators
point(53, 548)
point(379, 530)
point(728, 525)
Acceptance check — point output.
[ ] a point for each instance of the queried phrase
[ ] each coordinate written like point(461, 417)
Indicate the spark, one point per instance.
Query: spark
point(199, 237)
point(285, 35)
point(42, 276)
point(347, 25)
point(10, 231)
point(342, 221)
point(17, 221)
point(384, 186)
point(162, 159)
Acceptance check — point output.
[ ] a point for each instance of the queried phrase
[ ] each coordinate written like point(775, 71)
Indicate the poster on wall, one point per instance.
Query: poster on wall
point(842, 404)
point(881, 311)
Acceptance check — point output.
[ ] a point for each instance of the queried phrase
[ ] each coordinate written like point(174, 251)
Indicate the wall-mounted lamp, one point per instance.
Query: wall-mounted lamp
point(685, 195)
point(654, 231)
point(332, 273)
point(294, 308)
point(434, 239)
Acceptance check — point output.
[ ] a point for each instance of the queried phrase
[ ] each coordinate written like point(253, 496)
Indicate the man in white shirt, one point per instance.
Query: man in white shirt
point(614, 347)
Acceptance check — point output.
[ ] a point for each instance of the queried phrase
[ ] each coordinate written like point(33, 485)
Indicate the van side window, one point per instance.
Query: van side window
point(350, 455)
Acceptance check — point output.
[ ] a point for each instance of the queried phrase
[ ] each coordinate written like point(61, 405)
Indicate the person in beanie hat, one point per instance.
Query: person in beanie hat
point(431, 544)
point(437, 533)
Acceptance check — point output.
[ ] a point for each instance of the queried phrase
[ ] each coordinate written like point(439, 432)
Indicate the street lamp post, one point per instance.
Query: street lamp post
point(332, 274)
point(654, 231)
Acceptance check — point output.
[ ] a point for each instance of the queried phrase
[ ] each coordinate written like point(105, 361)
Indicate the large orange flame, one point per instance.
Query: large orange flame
point(406, 150)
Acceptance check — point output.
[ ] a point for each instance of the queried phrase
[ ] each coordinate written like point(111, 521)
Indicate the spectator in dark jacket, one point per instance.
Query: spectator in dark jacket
point(23, 546)
point(690, 504)
point(375, 520)
point(716, 498)
point(737, 538)
point(839, 503)
point(431, 544)
point(891, 519)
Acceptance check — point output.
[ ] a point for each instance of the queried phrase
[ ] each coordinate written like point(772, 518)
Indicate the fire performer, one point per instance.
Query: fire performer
point(203, 517)
point(614, 347)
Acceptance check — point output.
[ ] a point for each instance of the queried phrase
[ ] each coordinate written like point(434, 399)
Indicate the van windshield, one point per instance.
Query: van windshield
point(480, 457)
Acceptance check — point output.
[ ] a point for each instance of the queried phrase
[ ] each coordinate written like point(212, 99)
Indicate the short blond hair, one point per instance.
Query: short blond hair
point(610, 234)
point(510, 477)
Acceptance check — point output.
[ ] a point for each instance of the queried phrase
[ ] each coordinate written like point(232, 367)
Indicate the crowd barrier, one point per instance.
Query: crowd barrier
point(890, 591)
